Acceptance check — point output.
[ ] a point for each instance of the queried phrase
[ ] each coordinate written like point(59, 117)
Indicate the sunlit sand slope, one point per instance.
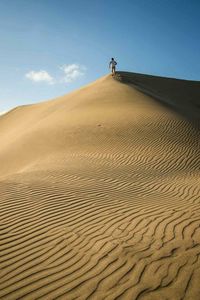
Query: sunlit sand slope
point(100, 193)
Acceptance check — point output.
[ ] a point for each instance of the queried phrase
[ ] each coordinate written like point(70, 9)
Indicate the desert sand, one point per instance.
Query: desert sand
point(100, 193)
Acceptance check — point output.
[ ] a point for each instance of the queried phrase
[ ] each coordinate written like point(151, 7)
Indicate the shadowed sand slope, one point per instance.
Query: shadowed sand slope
point(182, 95)
point(100, 194)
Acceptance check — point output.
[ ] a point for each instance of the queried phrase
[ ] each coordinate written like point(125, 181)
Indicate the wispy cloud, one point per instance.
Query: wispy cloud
point(72, 72)
point(69, 74)
point(40, 76)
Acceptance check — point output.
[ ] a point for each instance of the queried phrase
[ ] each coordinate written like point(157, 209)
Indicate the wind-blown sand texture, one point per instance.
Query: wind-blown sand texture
point(100, 193)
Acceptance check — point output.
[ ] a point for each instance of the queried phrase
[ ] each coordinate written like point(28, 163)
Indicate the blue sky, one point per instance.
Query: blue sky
point(50, 47)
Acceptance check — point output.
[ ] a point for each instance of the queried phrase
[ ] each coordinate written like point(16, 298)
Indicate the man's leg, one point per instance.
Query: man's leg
point(113, 70)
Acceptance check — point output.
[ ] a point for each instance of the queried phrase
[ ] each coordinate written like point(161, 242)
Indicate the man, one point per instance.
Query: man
point(112, 65)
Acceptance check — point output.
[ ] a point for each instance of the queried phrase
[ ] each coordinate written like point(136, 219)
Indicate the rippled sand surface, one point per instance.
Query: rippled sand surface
point(100, 193)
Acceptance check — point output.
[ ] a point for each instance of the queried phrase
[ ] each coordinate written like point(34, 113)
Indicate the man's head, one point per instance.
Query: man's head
point(112, 58)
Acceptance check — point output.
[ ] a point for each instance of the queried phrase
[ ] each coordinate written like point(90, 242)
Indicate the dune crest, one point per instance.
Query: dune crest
point(100, 195)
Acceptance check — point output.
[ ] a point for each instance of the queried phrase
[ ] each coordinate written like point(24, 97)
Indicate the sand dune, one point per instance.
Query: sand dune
point(100, 194)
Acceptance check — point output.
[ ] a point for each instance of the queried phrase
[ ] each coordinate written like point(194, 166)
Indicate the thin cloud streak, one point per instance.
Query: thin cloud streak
point(40, 76)
point(72, 72)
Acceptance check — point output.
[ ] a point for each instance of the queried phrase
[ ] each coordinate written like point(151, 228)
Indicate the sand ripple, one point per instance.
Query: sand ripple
point(113, 215)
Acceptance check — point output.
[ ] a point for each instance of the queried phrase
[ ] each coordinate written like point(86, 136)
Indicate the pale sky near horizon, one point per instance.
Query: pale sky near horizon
point(51, 47)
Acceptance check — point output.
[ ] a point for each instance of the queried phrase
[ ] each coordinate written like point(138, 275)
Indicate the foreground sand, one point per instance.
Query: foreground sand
point(100, 194)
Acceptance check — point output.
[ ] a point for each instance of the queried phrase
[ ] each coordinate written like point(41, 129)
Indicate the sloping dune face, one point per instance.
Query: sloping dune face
point(100, 194)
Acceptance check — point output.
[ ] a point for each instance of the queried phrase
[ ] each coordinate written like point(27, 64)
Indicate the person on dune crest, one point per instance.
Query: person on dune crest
point(112, 66)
